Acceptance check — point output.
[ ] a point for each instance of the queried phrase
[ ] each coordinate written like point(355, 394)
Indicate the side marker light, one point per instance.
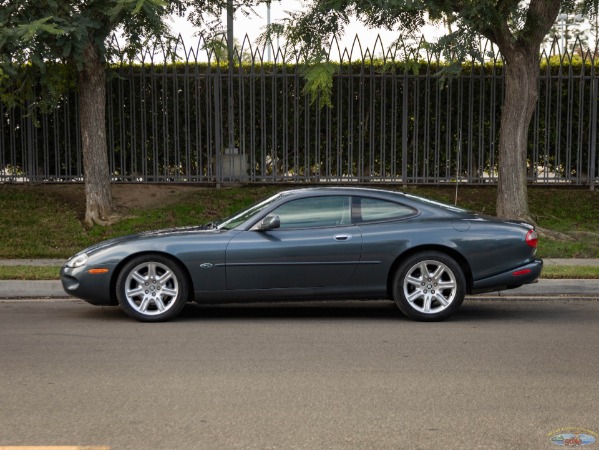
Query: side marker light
point(517, 273)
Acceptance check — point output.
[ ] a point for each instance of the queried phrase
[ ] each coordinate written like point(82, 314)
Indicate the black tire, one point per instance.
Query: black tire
point(432, 297)
point(152, 288)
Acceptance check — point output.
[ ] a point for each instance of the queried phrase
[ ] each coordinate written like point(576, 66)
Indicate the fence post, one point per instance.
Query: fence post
point(31, 171)
point(404, 131)
point(230, 105)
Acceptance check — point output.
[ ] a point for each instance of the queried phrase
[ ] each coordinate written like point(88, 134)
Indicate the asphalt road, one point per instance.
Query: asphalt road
point(500, 374)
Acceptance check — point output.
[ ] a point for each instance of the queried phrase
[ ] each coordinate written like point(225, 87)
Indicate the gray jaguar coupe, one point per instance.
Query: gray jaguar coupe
point(307, 244)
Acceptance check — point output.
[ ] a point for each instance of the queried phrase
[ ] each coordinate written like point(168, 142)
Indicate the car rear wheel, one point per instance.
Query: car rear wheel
point(152, 288)
point(429, 286)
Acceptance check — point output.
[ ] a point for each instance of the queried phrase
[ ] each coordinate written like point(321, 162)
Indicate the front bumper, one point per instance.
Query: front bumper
point(514, 278)
point(93, 288)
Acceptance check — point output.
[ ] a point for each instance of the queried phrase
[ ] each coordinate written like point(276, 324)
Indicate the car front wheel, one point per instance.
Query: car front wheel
point(429, 286)
point(152, 288)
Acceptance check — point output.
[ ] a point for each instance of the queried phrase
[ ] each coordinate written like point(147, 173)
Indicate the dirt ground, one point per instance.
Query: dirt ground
point(126, 196)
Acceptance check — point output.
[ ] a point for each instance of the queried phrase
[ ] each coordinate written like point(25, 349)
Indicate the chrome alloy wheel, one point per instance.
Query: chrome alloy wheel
point(151, 288)
point(430, 286)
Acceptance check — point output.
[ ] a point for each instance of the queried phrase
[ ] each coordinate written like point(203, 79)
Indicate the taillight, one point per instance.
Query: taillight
point(532, 239)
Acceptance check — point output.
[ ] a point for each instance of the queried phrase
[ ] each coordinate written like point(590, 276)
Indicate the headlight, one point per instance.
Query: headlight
point(77, 260)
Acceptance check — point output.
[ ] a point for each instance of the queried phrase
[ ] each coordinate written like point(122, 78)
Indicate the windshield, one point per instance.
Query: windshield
point(240, 217)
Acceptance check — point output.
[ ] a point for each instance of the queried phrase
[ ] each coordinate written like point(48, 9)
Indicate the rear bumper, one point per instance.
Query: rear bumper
point(528, 273)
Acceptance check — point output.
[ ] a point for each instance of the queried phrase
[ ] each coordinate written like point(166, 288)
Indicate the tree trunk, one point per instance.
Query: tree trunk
point(521, 92)
point(522, 73)
point(92, 106)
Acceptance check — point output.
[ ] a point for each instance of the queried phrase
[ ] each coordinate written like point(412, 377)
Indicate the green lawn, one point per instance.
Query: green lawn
point(29, 272)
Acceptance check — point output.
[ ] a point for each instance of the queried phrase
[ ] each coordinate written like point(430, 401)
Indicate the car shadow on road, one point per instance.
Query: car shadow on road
point(473, 310)
point(539, 310)
point(329, 310)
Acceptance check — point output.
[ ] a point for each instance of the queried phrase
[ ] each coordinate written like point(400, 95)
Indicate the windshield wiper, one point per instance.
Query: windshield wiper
point(211, 225)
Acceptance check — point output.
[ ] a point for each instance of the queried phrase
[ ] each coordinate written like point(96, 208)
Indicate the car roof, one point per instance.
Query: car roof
point(341, 190)
point(421, 202)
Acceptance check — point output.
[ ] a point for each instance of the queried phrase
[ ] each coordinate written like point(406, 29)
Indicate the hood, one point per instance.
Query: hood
point(149, 234)
point(174, 231)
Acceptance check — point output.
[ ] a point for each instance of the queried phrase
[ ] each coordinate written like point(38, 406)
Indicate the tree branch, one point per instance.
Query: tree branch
point(539, 20)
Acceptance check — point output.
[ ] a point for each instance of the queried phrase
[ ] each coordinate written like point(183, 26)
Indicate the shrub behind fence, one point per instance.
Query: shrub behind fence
point(390, 121)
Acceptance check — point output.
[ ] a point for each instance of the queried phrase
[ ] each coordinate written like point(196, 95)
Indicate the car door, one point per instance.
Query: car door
point(386, 232)
point(315, 246)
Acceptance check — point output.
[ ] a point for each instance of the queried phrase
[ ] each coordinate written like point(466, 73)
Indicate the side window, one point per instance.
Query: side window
point(375, 210)
point(315, 212)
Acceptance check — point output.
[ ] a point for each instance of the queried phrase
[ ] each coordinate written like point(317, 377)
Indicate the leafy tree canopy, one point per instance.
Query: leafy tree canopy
point(39, 34)
point(507, 23)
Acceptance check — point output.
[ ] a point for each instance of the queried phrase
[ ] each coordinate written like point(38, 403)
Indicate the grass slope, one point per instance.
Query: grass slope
point(45, 221)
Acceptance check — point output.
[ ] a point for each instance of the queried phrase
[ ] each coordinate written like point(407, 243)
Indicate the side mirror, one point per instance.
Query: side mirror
point(269, 223)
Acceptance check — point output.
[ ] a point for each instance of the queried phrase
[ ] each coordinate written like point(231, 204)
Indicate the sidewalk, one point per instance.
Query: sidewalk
point(568, 289)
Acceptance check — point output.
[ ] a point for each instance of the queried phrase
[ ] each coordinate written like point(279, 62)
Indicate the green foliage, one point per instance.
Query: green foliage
point(28, 31)
point(319, 83)
point(42, 33)
point(570, 272)
point(21, 47)
point(509, 25)
point(39, 34)
point(29, 272)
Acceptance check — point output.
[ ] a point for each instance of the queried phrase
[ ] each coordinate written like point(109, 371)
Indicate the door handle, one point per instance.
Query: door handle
point(342, 237)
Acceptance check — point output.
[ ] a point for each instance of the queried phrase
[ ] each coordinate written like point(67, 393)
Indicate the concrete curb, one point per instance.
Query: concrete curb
point(587, 289)
point(31, 289)
point(555, 288)
point(547, 290)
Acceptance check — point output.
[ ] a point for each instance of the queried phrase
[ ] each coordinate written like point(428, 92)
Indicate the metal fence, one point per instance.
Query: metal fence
point(392, 120)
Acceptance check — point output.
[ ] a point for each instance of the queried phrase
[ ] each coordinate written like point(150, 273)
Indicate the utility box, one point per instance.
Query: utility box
point(233, 165)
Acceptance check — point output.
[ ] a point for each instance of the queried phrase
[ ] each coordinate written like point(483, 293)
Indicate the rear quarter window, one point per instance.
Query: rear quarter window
point(377, 210)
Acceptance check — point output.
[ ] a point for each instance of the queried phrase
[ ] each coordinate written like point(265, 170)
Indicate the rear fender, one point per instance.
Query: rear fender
point(455, 255)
